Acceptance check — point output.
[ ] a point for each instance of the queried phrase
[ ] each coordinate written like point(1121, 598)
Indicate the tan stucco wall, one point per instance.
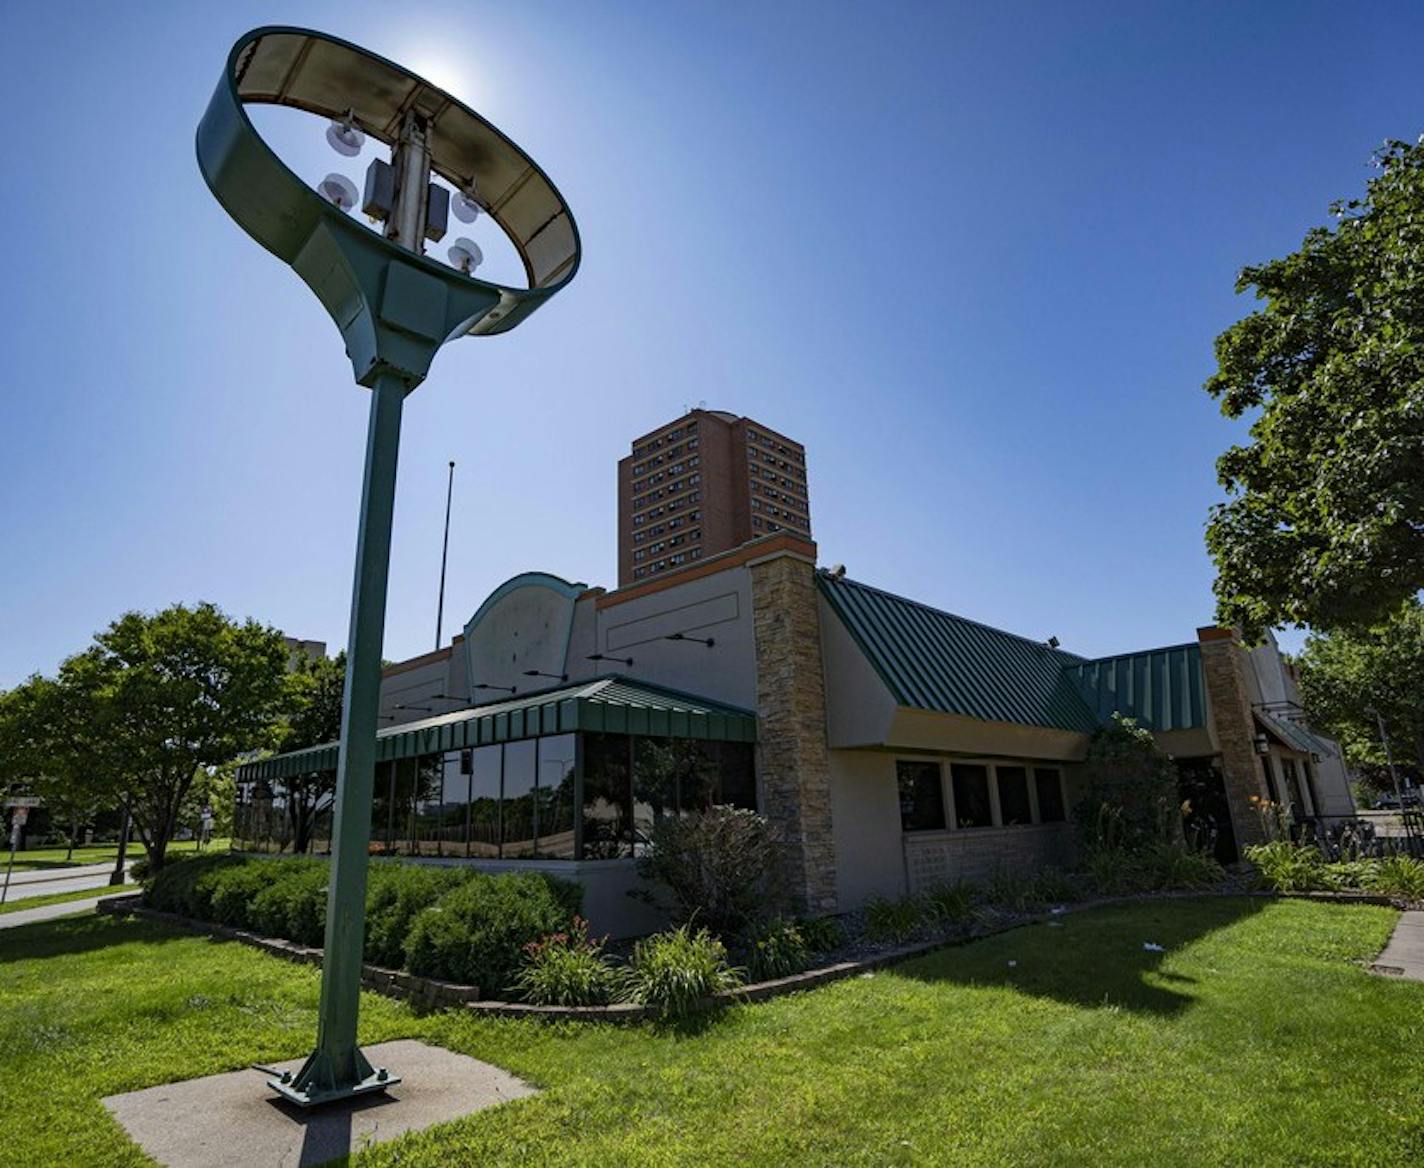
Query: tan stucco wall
point(865, 812)
point(859, 707)
point(954, 734)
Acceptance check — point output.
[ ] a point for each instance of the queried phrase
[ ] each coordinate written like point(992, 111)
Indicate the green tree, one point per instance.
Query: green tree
point(1130, 789)
point(54, 743)
point(1324, 521)
point(186, 688)
point(1347, 675)
point(312, 716)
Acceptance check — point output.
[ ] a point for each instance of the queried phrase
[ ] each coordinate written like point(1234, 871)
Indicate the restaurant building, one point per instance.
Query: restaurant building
point(894, 745)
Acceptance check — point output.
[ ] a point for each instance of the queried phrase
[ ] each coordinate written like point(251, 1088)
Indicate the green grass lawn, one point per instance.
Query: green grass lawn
point(98, 854)
point(1255, 1039)
point(11, 906)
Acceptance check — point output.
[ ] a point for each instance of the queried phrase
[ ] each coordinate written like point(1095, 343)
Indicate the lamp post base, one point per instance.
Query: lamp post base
point(321, 1081)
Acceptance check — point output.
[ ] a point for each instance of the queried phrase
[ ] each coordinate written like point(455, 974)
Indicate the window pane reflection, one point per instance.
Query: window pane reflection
point(607, 797)
point(555, 821)
point(517, 809)
point(485, 767)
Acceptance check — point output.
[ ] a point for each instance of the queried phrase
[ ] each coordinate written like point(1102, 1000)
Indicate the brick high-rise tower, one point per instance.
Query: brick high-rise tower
point(703, 484)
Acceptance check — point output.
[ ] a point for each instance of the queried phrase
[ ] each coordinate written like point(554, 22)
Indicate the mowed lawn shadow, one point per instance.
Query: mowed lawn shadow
point(78, 934)
point(1097, 957)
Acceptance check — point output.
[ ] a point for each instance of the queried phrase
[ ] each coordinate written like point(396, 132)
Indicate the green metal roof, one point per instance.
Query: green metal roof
point(933, 660)
point(1161, 688)
point(615, 705)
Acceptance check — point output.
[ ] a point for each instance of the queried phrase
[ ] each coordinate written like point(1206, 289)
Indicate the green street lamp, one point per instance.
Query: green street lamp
point(395, 307)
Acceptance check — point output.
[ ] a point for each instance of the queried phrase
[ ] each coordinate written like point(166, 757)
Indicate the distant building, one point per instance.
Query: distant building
point(703, 484)
point(299, 651)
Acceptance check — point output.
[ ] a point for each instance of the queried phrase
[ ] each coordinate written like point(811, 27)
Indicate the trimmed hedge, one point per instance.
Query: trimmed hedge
point(456, 924)
point(476, 932)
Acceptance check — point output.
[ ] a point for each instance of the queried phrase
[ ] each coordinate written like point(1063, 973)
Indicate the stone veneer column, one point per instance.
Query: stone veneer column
point(793, 760)
point(1224, 673)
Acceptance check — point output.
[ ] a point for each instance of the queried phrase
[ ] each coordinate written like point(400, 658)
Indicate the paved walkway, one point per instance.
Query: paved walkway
point(1404, 955)
point(48, 912)
point(44, 881)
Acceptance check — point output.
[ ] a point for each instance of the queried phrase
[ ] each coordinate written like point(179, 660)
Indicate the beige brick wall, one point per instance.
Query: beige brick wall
point(933, 858)
point(793, 761)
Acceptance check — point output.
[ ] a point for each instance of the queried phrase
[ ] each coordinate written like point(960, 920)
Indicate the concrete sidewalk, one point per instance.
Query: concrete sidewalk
point(1404, 955)
point(48, 912)
point(47, 881)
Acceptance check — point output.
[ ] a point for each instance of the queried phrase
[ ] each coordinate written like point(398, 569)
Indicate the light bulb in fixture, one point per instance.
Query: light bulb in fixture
point(466, 255)
point(339, 191)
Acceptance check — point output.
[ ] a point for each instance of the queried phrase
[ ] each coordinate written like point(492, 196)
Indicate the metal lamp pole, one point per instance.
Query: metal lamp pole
point(444, 555)
point(395, 309)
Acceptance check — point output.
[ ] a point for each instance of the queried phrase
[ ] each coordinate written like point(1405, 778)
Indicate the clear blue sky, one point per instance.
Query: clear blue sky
point(973, 255)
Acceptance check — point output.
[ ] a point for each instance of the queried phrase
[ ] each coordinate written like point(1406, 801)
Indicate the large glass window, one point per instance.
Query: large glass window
point(1048, 784)
point(517, 808)
point(1014, 807)
point(736, 771)
point(555, 819)
point(921, 796)
point(655, 766)
point(430, 810)
point(971, 795)
point(485, 764)
point(383, 806)
point(607, 797)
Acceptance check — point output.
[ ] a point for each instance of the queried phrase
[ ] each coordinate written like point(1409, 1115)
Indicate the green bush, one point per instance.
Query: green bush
point(226, 895)
point(778, 950)
point(567, 969)
point(719, 865)
point(675, 971)
point(948, 904)
point(1346, 875)
point(1398, 876)
point(1055, 886)
point(1113, 871)
point(293, 902)
point(395, 894)
point(1285, 867)
point(478, 940)
point(476, 932)
point(821, 934)
point(1014, 891)
point(894, 921)
point(186, 888)
point(1170, 865)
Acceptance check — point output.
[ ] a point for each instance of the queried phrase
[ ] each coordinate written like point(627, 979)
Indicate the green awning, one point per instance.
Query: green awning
point(614, 705)
point(1290, 735)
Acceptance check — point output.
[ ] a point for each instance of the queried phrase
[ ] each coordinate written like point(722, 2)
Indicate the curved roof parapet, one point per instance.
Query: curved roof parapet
point(322, 75)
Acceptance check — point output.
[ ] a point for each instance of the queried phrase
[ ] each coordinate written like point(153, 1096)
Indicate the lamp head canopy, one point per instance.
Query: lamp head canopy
point(394, 305)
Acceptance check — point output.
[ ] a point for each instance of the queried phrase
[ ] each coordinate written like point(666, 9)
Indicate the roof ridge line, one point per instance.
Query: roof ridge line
point(824, 575)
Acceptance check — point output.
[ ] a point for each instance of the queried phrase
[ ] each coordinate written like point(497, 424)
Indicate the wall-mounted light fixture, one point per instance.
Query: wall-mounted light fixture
point(708, 641)
point(485, 685)
point(608, 657)
point(1262, 744)
point(541, 673)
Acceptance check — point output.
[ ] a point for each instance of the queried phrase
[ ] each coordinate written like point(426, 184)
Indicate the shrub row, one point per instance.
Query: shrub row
point(1287, 867)
point(455, 924)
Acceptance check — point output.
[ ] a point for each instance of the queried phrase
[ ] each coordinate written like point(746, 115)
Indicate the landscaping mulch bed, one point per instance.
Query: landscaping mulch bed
point(857, 956)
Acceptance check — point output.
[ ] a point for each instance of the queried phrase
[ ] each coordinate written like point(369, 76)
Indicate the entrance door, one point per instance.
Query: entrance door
point(1207, 820)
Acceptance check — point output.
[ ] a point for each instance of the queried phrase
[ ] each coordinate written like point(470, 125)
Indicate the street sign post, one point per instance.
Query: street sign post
point(395, 308)
point(18, 817)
